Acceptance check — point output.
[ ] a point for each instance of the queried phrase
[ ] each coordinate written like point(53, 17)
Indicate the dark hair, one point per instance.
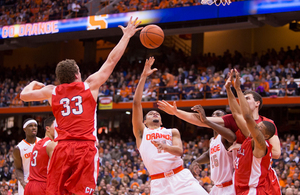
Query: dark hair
point(256, 97)
point(270, 128)
point(66, 70)
point(48, 121)
point(219, 113)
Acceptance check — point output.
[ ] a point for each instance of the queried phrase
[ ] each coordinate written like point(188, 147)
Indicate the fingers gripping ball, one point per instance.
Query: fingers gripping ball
point(152, 36)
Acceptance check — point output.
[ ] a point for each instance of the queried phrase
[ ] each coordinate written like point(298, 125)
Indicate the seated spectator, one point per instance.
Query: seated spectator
point(263, 88)
point(282, 87)
point(247, 83)
point(177, 92)
point(292, 88)
point(124, 93)
point(188, 91)
point(215, 90)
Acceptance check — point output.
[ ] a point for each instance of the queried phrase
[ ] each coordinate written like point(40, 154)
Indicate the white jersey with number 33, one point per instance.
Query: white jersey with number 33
point(221, 162)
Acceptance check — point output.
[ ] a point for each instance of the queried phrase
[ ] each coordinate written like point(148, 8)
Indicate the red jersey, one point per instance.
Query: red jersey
point(230, 123)
point(251, 172)
point(74, 108)
point(39, 161)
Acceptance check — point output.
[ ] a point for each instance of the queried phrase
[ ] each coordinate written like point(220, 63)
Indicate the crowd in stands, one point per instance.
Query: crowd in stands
point(275, 73)
point(141, 5)
point(122, 171)
point(26, 11)
point(31, 11)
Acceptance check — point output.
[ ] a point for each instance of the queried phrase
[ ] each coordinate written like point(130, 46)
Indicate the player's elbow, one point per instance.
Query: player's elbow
point(232, 138)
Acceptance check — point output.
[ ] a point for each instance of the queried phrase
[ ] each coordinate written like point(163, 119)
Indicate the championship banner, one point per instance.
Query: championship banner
point(179, 14)
point(105, 103)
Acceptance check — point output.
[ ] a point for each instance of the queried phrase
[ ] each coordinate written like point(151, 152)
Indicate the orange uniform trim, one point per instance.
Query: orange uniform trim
point(162, 175)
point(225, 184)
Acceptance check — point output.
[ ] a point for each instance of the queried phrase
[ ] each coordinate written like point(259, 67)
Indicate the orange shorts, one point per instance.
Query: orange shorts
point(35, 187)
point(73, 169)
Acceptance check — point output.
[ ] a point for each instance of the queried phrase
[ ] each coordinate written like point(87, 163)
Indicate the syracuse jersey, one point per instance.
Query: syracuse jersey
point(25, 153)
point(251, 172)
point(39, 161)
point(74, 108)
point(158, 161)
point(221, 162)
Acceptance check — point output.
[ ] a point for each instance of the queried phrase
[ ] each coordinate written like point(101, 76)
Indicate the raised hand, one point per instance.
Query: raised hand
point(237, 82)
point(166, 107)
point(147, 69)
point(200, 110)
point(131, 27)
point(229, 80)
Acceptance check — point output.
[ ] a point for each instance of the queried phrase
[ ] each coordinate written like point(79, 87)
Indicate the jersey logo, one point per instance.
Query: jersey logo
point(215, 149)
point(27, 155)
point(89, 190)
point(154, 136)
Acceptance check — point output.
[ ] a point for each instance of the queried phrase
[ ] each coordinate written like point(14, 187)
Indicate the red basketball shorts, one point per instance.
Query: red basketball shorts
point(73, 168)
point(35, 187)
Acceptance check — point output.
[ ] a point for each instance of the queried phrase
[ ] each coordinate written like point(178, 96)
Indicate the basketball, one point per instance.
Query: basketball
point(152, 36)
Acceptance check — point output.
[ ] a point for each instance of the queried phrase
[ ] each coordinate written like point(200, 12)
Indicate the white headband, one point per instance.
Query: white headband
point(28, 122)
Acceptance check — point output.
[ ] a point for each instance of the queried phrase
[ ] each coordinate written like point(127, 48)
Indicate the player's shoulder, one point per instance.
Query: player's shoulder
point(175, 131)
point(266, 119)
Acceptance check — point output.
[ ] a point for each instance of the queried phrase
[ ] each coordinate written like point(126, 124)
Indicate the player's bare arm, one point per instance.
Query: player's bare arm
point(19, 166)
point(235, 107)
point(99, 77)
point(223, 131)
point(276, 150)
point(189, 117)
point(50, 148)
point(137, 110)
point(259, 150)
point(175, 149)
point(36, 91)
point(195, 166)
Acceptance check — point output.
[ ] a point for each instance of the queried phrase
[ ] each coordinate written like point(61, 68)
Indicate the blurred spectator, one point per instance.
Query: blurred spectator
point(292, 88)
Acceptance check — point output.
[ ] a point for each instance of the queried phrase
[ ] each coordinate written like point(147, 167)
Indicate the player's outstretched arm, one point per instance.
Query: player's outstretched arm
point(259, 139)
point(99, 77)
point(223, 131)
point(19, 166)
point(176, 149)
point(235, 107)
point(36, 91)
point(137, 110)
point(189, 117)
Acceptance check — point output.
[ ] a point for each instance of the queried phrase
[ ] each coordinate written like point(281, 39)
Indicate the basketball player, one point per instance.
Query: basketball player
point(41, 154)
point(273, 186)
point(220, 159)
point(255, 102)
point(254, 157)
point(22, 153)
point(160, 148)
point(74, 164)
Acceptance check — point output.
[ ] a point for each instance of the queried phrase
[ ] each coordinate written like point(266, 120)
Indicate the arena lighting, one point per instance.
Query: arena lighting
point(128, 112)
point(180, 14)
